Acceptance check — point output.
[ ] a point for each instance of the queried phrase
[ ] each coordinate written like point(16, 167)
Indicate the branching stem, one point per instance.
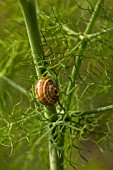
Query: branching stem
point(93, 111)
point(29, 12)
point(79, 57)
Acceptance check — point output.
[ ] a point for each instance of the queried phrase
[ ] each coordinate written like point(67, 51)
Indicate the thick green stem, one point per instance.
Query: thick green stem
point(56, 144)
point(29, 12)
point(79, 57)
point(55, 162)
point(56, 150)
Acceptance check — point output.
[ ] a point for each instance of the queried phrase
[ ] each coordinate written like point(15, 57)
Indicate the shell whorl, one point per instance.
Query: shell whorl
point(46, 91)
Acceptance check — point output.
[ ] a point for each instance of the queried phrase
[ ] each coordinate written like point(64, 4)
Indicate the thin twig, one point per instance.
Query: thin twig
point(88, 112)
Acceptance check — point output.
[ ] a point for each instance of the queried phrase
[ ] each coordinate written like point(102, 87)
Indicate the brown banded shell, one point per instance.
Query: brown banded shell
point(46, 91)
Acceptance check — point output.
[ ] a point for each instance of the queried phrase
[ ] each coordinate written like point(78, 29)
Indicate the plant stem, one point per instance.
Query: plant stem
point(29, 12)
point(14, 85)
point(88, 112)
point(56, 143)
point(56, 154)
point(79, 57)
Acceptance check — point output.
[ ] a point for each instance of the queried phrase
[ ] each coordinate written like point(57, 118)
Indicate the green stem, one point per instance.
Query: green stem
point(88, 112)
point(79, 57)
point(14, 85)
point(90, 36)
point(29, 13)
point(56, 143)
point(56, 153)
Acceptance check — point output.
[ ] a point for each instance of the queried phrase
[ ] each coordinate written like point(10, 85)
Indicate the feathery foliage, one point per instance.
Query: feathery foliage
point(75, 47)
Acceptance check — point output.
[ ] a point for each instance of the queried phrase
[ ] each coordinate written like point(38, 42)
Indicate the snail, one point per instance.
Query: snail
point(46, 91)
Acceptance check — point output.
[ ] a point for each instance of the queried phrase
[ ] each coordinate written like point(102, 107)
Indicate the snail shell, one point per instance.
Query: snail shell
point(46, 91)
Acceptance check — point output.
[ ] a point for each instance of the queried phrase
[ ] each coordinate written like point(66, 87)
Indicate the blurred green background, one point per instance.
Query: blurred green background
point(14, 45)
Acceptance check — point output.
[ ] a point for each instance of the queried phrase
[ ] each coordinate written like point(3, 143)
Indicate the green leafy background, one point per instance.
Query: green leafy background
point(20, 125)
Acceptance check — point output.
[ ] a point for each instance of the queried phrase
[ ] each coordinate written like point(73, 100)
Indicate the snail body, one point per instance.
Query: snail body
point(46, 91)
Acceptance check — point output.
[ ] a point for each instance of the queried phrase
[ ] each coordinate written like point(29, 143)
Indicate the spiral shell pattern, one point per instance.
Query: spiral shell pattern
point(46, 91)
